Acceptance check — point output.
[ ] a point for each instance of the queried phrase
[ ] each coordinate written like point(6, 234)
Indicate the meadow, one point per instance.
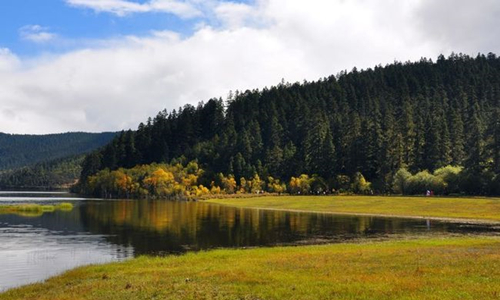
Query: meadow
point(447, 267)
point(465, 209)
point(437, 268)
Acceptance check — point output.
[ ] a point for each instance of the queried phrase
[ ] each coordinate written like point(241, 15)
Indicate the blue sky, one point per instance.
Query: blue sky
point(107, 65)
point(74, 26)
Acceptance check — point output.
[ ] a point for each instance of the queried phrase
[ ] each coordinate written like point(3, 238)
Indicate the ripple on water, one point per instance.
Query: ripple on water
point(29, 254)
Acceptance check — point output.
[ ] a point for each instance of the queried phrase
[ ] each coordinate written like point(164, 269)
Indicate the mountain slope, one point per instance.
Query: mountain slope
point(49, 175)
point(421, 116)
point(24, 150)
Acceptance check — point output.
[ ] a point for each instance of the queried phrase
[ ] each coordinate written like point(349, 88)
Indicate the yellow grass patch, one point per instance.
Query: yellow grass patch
point(453, 268)
point(487, 209)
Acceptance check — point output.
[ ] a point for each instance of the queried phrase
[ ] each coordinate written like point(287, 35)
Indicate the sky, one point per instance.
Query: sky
point(107, 65)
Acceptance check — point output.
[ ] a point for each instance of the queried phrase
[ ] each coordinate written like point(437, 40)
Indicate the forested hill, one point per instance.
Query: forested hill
point(47, 175)
point(24, 150)
point(417, 115)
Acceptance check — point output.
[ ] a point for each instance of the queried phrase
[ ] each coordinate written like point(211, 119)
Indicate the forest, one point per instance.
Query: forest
point(402, 128)
point(20, 150)
point(48, 175)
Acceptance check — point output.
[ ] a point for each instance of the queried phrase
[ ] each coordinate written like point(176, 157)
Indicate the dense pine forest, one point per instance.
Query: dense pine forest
point(49, 175)
point(25, 150)
point(403, 128)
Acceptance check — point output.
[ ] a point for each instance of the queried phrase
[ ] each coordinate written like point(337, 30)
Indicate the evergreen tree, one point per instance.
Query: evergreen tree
point(419, 116)
point(474, 160)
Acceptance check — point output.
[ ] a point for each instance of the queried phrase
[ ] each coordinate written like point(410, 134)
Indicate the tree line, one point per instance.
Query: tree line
point(181, 180)
point(414, 116)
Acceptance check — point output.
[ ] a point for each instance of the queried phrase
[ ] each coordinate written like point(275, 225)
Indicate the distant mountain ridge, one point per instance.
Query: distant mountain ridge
point(18, 151)
point(55, 174)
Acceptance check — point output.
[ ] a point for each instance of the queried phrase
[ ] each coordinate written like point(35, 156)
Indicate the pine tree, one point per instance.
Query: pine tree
point(318, 149)
point(420, 115)
point(457, 138)
point(408, 135)
point(474, 160)
point(494, 139)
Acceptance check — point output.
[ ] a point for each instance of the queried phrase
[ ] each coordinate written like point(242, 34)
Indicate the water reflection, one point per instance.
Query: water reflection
point(30, 253)
point(153, 227)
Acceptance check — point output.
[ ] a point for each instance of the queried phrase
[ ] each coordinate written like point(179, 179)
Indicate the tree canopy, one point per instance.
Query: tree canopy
point(363, 125)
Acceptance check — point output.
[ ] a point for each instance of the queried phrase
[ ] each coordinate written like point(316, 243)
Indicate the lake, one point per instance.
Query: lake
point(36, 247)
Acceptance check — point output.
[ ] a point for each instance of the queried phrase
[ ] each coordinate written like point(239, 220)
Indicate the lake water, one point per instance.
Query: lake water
point(36, 247)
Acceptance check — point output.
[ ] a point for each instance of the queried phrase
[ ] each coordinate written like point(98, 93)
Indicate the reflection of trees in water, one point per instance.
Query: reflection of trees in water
point(168, 226)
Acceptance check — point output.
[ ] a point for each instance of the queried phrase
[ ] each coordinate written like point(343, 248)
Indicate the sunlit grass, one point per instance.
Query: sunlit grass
point(65, 206)
point(453, 268)
point(438, 207)
point(34, 210)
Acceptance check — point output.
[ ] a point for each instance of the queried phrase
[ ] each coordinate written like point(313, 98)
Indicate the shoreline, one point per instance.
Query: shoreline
point(462, 220)
point(344, 271)
point(441, 219)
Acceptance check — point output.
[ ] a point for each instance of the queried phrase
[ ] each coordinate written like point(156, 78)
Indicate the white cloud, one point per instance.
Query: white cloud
point(36, 34)
point(233, 15)
point(8, 61)
point(121, 83)
point(460, 25)
point(123, 7)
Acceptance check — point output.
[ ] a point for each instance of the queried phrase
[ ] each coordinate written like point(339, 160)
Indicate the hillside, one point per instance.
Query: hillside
point(54, 174)
point(381, 123)
point(23, 150)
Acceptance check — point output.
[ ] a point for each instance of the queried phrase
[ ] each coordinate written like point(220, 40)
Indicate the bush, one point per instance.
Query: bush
point(451, 176)
point(300, 185)
point(318, 185)
point(445, 180)
point(342, 183)
point(400, 181)
point(360, 185)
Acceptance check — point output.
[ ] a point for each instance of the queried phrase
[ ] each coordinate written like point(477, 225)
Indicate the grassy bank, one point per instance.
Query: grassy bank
point(33, 209)
point(454, 268)
point(437, 207)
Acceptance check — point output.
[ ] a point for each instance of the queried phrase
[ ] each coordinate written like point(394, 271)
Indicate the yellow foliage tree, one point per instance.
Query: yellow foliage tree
point(125, 183)
point(256, 184)
point(300, 185)
point(229, 184)
point(275, 185)
point(160, 182)
point(243, 186)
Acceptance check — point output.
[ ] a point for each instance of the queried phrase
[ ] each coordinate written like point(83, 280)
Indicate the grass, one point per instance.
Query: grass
point(33, 210)
point(451, 268)
point(487, 209)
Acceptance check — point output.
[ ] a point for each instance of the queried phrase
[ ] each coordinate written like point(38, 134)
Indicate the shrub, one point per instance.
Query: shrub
point(300, 185)
point(342, 183)
point(423, 181)
point(318, 184)
point(451, 176)
point(360, 185)
point(400, 181)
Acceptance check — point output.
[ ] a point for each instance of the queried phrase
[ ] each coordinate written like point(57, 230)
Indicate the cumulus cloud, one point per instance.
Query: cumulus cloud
point(8, 61)
point(121, 83)
point(234, 15)
point(36, 33)
point(123, 7)
point(460, 25)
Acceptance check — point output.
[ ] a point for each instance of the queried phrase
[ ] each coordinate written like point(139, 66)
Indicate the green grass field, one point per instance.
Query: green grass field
point(487, 209)
point(30, 210)
point(448, 268)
